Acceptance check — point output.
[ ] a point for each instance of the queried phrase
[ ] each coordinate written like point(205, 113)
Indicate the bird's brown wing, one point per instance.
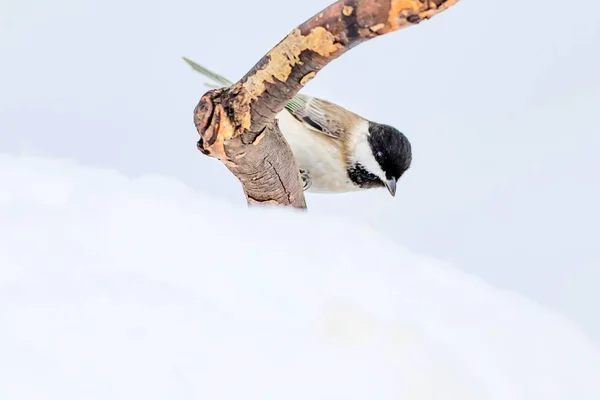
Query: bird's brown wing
point(321, 115)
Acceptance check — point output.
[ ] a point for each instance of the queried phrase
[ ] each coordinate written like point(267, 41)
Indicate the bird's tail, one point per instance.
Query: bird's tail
point(208, 73)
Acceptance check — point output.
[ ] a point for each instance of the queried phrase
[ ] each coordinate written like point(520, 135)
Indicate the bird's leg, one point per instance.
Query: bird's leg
point(306, 181)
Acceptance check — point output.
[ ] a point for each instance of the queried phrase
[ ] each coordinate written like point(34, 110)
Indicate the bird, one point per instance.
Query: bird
point(337, 150)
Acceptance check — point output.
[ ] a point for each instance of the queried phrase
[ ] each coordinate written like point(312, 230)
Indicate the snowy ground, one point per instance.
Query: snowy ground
point(112, 288)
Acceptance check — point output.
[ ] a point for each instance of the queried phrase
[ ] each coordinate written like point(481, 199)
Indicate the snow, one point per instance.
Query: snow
point(112, 287)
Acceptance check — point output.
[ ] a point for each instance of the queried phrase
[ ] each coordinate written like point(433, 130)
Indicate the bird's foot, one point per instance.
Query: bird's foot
point(306, 181)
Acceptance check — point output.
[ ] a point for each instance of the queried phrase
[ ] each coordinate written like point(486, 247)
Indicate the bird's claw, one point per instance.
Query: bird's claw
point(306, 181)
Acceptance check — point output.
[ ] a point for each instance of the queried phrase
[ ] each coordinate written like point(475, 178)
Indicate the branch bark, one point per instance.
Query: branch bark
point(237, 124)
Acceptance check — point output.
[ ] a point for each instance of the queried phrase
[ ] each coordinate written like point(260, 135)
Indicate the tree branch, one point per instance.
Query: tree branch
point(237, 124)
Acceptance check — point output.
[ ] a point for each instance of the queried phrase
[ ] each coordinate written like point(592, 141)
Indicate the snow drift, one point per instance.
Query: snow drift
point(117, 288)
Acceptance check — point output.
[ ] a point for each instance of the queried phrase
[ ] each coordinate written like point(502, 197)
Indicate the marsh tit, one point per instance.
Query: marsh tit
point(337, 151)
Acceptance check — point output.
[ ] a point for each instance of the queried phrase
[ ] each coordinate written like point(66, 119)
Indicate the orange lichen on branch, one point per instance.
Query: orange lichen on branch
point(284, 56)
point(404, 13)
point(215, 135)
point(327, 35)
point(306, 78)
point(378, 27)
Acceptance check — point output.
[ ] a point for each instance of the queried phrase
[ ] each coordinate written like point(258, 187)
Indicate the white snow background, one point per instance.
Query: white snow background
point(119, 288)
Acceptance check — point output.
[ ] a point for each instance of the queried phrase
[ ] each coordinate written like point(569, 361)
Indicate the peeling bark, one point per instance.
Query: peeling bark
point(237, 124)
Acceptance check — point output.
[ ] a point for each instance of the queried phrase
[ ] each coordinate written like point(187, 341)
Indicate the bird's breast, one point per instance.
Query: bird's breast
point(318, 154)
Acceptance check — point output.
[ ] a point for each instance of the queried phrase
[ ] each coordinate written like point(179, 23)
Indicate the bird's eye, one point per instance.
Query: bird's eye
point(379, 154)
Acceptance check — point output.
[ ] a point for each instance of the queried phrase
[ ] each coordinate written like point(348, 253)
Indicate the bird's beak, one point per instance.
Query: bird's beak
point(391, 186)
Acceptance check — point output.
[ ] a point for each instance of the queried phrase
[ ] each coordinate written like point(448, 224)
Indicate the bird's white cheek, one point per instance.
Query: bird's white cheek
point(364, 155)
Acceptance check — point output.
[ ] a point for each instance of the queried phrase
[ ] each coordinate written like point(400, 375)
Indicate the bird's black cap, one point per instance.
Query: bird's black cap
point(392, 150)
